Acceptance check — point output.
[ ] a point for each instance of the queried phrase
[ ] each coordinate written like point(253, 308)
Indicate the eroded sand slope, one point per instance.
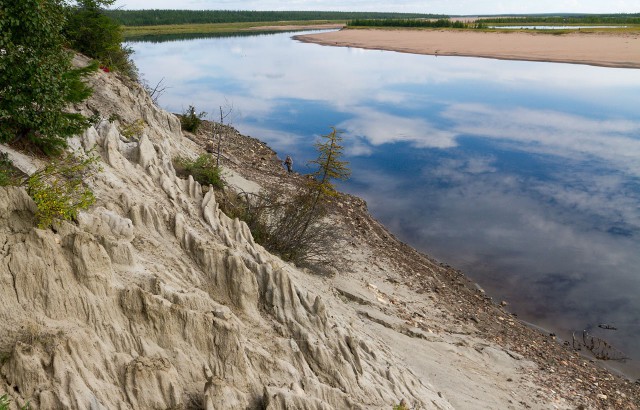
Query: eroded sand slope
point(155, 299)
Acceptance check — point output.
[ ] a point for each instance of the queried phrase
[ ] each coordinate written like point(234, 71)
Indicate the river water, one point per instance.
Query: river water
point(524, 175)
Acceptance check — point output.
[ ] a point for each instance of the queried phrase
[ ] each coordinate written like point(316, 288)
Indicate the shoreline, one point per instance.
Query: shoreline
point(476, 313)
point(296, 27)
point(596, 49)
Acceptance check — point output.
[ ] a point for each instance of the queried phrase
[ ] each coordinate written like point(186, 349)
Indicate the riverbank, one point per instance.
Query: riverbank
point(620, 50)
point(221, 28)
point(156, 299)
point(427, 308)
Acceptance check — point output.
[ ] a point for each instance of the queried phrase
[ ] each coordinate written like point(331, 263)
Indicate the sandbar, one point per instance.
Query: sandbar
point(599, 49)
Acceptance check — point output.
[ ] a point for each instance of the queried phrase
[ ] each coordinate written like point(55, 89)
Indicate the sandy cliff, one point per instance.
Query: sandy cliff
point(155, 299)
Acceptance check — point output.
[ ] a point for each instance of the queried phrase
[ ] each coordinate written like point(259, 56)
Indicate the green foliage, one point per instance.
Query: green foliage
point(59, 189)
point(5, 401)
point(290, 224)
point(190, 120)
point(8, 174)
point(330, 166)
point(90, 31)
point(164, 17)
point(608, 19)
point(413, 23)
point(133, 129)
point(37, 82)
point(277, 221)
point(203, 169)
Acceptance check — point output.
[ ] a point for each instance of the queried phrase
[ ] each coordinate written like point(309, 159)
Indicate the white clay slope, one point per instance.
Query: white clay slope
point(155, 299)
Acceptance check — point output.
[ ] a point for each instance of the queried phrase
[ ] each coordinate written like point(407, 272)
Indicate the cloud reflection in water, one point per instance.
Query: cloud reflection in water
point(525, 175)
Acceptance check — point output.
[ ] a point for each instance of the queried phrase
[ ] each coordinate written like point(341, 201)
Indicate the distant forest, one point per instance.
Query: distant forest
point(573, 19)
point(165, 17)
point(439, 23)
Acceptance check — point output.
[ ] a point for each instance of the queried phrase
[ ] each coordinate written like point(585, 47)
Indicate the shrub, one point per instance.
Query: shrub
point(277, 220)
point(5, 401)
point(8, 174)
point(59, 190)
point(133, 129)
point(203, 169)
point(37, 82)
point(190, 120)
point(290, 224)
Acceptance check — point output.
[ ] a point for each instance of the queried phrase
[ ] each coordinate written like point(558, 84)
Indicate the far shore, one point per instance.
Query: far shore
point(293, 27)
point(620, 50)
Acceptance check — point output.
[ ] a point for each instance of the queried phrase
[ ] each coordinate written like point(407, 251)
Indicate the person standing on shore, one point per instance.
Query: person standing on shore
point(288, 162)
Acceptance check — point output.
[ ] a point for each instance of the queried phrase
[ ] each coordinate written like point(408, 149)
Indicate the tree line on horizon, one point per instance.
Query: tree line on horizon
point(416, 23)
point(166, 17)
point(572, 19)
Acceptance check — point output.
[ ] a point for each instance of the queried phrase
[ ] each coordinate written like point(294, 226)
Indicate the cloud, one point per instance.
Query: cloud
point(615, 141)
point(381, 128)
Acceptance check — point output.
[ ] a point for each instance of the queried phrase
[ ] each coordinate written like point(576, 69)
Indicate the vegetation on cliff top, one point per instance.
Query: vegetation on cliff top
point(38, 85)
point(37, 80)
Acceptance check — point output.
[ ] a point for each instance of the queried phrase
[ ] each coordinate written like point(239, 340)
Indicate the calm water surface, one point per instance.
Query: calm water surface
point(524, 175)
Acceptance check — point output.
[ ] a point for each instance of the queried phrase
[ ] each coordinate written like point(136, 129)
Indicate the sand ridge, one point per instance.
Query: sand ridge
point(620, 50)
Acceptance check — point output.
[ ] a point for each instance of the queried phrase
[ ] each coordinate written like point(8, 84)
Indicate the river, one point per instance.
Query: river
point(524, 175)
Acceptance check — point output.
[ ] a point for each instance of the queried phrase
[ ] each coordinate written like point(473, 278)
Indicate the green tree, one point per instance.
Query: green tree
point(290, 222)
point(330, 167)
point(90, 31)
point(37, 81)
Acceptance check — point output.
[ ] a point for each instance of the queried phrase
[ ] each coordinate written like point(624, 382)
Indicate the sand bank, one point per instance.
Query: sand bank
point(599, 49)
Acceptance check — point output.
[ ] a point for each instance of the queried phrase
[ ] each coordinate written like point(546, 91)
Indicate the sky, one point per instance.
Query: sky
point(463, 7)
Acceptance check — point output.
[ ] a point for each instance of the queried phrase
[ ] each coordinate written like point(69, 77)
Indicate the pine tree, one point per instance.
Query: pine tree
point(37, 81)
point(330, 165)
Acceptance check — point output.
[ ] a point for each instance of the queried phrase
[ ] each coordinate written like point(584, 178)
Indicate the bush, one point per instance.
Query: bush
point(133, 129)
point(190, 120)
point(290, 224)
point(59, 190)
point(5, 401)
point(285, 224)
point(8, 174)
point(203, 169)
point(37, 82)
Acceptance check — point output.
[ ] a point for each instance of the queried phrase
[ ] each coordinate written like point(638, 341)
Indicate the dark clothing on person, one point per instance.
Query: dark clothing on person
point(289, 164)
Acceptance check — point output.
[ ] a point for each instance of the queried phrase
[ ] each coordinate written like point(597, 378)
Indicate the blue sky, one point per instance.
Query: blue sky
point(468, 7)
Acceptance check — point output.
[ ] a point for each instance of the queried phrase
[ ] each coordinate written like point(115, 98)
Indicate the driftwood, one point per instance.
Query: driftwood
point(600, 348)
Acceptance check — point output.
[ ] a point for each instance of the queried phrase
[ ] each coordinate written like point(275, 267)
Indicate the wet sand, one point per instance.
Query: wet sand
point(600, 49)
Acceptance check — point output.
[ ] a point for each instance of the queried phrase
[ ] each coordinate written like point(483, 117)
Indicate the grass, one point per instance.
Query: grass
point(137, 31)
